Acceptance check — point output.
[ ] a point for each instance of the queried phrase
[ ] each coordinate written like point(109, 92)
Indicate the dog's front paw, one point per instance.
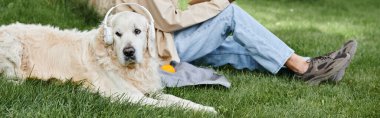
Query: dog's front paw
point(209, 109)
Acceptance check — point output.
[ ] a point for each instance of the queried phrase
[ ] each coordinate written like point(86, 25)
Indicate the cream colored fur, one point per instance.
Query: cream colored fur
point(46, 52)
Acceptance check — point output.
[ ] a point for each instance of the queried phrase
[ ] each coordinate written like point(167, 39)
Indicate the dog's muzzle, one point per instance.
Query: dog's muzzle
point(129, 53)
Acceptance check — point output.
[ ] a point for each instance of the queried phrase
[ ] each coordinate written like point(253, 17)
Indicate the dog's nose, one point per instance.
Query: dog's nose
point(129, 51)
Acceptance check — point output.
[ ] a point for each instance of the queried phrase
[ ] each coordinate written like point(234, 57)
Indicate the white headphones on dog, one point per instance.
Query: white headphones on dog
point(108, 35)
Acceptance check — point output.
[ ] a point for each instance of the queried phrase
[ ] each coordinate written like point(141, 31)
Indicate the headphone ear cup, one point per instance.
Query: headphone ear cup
point(152, 33)
point(152, 42)
point(108, 39)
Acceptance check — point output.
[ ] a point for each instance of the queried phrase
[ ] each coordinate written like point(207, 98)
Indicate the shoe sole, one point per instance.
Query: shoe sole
point(318, 79)
point(340, 74)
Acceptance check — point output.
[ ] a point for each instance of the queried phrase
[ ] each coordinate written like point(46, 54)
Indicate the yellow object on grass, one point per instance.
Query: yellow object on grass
point(168, 68)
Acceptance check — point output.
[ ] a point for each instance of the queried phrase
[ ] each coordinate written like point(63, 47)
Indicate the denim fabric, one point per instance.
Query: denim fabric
point(232, 37)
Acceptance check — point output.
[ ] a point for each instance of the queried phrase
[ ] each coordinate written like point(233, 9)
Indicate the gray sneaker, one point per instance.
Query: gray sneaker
point(323, 67)
point(350, 48)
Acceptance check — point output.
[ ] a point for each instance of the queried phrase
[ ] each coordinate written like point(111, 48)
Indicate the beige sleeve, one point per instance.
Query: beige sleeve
point(168, 18)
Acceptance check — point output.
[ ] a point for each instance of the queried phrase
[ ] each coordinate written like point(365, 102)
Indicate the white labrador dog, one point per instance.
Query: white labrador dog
point(124, 70)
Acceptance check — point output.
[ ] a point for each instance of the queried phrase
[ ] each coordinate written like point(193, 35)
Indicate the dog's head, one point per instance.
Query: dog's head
point(130, 34)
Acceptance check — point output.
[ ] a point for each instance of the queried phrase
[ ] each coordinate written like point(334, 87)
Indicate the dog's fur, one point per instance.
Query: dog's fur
point(46, 52)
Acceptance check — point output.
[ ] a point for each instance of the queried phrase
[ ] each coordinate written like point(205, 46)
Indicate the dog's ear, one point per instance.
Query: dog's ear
point(100, 35)
point(151, 41)
point(99, 46)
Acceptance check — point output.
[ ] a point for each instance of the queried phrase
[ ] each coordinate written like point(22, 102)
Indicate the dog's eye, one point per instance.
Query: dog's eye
point(118, 34)
point(137, 31)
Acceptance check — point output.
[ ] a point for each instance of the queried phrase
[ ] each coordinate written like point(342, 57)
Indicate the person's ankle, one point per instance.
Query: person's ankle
point(304, 68)
point(300, 68)
point(297, 64)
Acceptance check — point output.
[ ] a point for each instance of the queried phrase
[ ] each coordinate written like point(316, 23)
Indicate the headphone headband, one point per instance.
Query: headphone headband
point(107, 31)
point(130, 4)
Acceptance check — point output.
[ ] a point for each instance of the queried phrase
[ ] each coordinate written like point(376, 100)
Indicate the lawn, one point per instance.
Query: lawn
point(311, 27)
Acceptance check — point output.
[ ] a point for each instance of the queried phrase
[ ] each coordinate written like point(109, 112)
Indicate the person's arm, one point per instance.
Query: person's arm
point(168, 18)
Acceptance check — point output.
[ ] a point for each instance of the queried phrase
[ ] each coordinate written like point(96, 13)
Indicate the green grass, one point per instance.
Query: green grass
point(311, 27)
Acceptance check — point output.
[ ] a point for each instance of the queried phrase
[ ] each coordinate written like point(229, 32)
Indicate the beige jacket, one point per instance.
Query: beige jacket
point(168, 18)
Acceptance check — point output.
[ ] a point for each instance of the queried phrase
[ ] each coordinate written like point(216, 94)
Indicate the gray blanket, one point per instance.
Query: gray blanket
point(187, 75)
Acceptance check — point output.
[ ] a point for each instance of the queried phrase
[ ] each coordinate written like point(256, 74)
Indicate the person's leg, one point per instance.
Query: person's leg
point(198, 40)
point(266, 48)
point(263, 47)
point(271, 53)
point(230, 52)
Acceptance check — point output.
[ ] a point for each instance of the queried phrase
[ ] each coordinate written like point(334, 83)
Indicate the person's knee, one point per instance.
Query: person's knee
point(228, 10)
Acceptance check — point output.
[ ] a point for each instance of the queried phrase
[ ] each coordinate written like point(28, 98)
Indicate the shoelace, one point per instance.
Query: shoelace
point(320, 59)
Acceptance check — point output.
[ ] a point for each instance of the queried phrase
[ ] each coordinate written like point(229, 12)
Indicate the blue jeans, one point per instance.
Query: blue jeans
point(232, 37)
